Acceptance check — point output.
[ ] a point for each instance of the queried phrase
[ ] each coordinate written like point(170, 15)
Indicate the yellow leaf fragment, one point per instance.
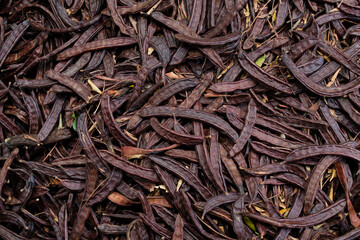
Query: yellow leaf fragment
point(260, 61)
point(130, 135)
point(317, 227)
point(133, 23)
point(282, 211)
point(154, 7)
point(331, 192)
point(178, 186)
point(150, 50)
point(94, 87)
point(333, 113)
point(172, 75)
point(333, 174)
point(225, 70)
point(274, 16)
point(333, 78)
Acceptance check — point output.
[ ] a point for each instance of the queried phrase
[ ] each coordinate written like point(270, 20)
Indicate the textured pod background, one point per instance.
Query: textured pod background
point(186, 119)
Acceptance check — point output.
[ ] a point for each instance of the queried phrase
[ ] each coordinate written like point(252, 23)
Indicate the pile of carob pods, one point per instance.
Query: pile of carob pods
point(179, 119)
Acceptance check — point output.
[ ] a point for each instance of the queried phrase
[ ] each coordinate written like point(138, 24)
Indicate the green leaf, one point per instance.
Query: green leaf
point(260, 60)
point(249, 223)
point(74, 122)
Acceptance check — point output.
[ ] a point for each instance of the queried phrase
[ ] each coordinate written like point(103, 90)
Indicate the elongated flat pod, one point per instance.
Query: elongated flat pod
point(211, 168)
point(184, 173)
point(11, 40)
point(197, 115)
point(198, 91)
point(257, 29)
point(182, 154)
point(275, 168)
point(130, 168)
point(349, 8)
point(330, 149)
point(155, 226)
point(301, 222)
point(349, 109)
point(329, 17)
point(292, 102)
point(74, 85)
point(353, 234)
point(31, 139)
point(270, 151)
point(316, 88)
point(51, 119)
point(218, 200)
point(84, 211)
point(9, 124)
point(89, 148)
point(352, 31)
point(340, 57)
point(95, 60)
point(193, 24)
point(301, 47)
point(240, 229)
point(246, 132)
point(12, 217)
point(180, 28)
point(114, 180)
point(263, 135)
point(8, 234)
point(34, 113)
point(298, 121)
point(59, 49)
point(96, 45)
point(74, 28)
point(215, 159)
point(35, 83)
point(80, 63)
point(150, 65)
point(312, 66)
point(6, 167)
point(267, 46)
point(225, 87)
point(118, 19)
point(111, 229)
point(209, 41)
point(162, 49)
point(232, 169)
point(272, 124)
point(220, 25)
point(301, 183)
point(329, 69)
point(174, 136)
point(133, 152)
point(283, 11)
point(293, 213)
point(314, 180)
point(261, 76)
point(61, 16)
point(141, 6)
point(178, 228)
point(111, 124)
point(16, 57)
point(333, 125)
point(171, 89)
